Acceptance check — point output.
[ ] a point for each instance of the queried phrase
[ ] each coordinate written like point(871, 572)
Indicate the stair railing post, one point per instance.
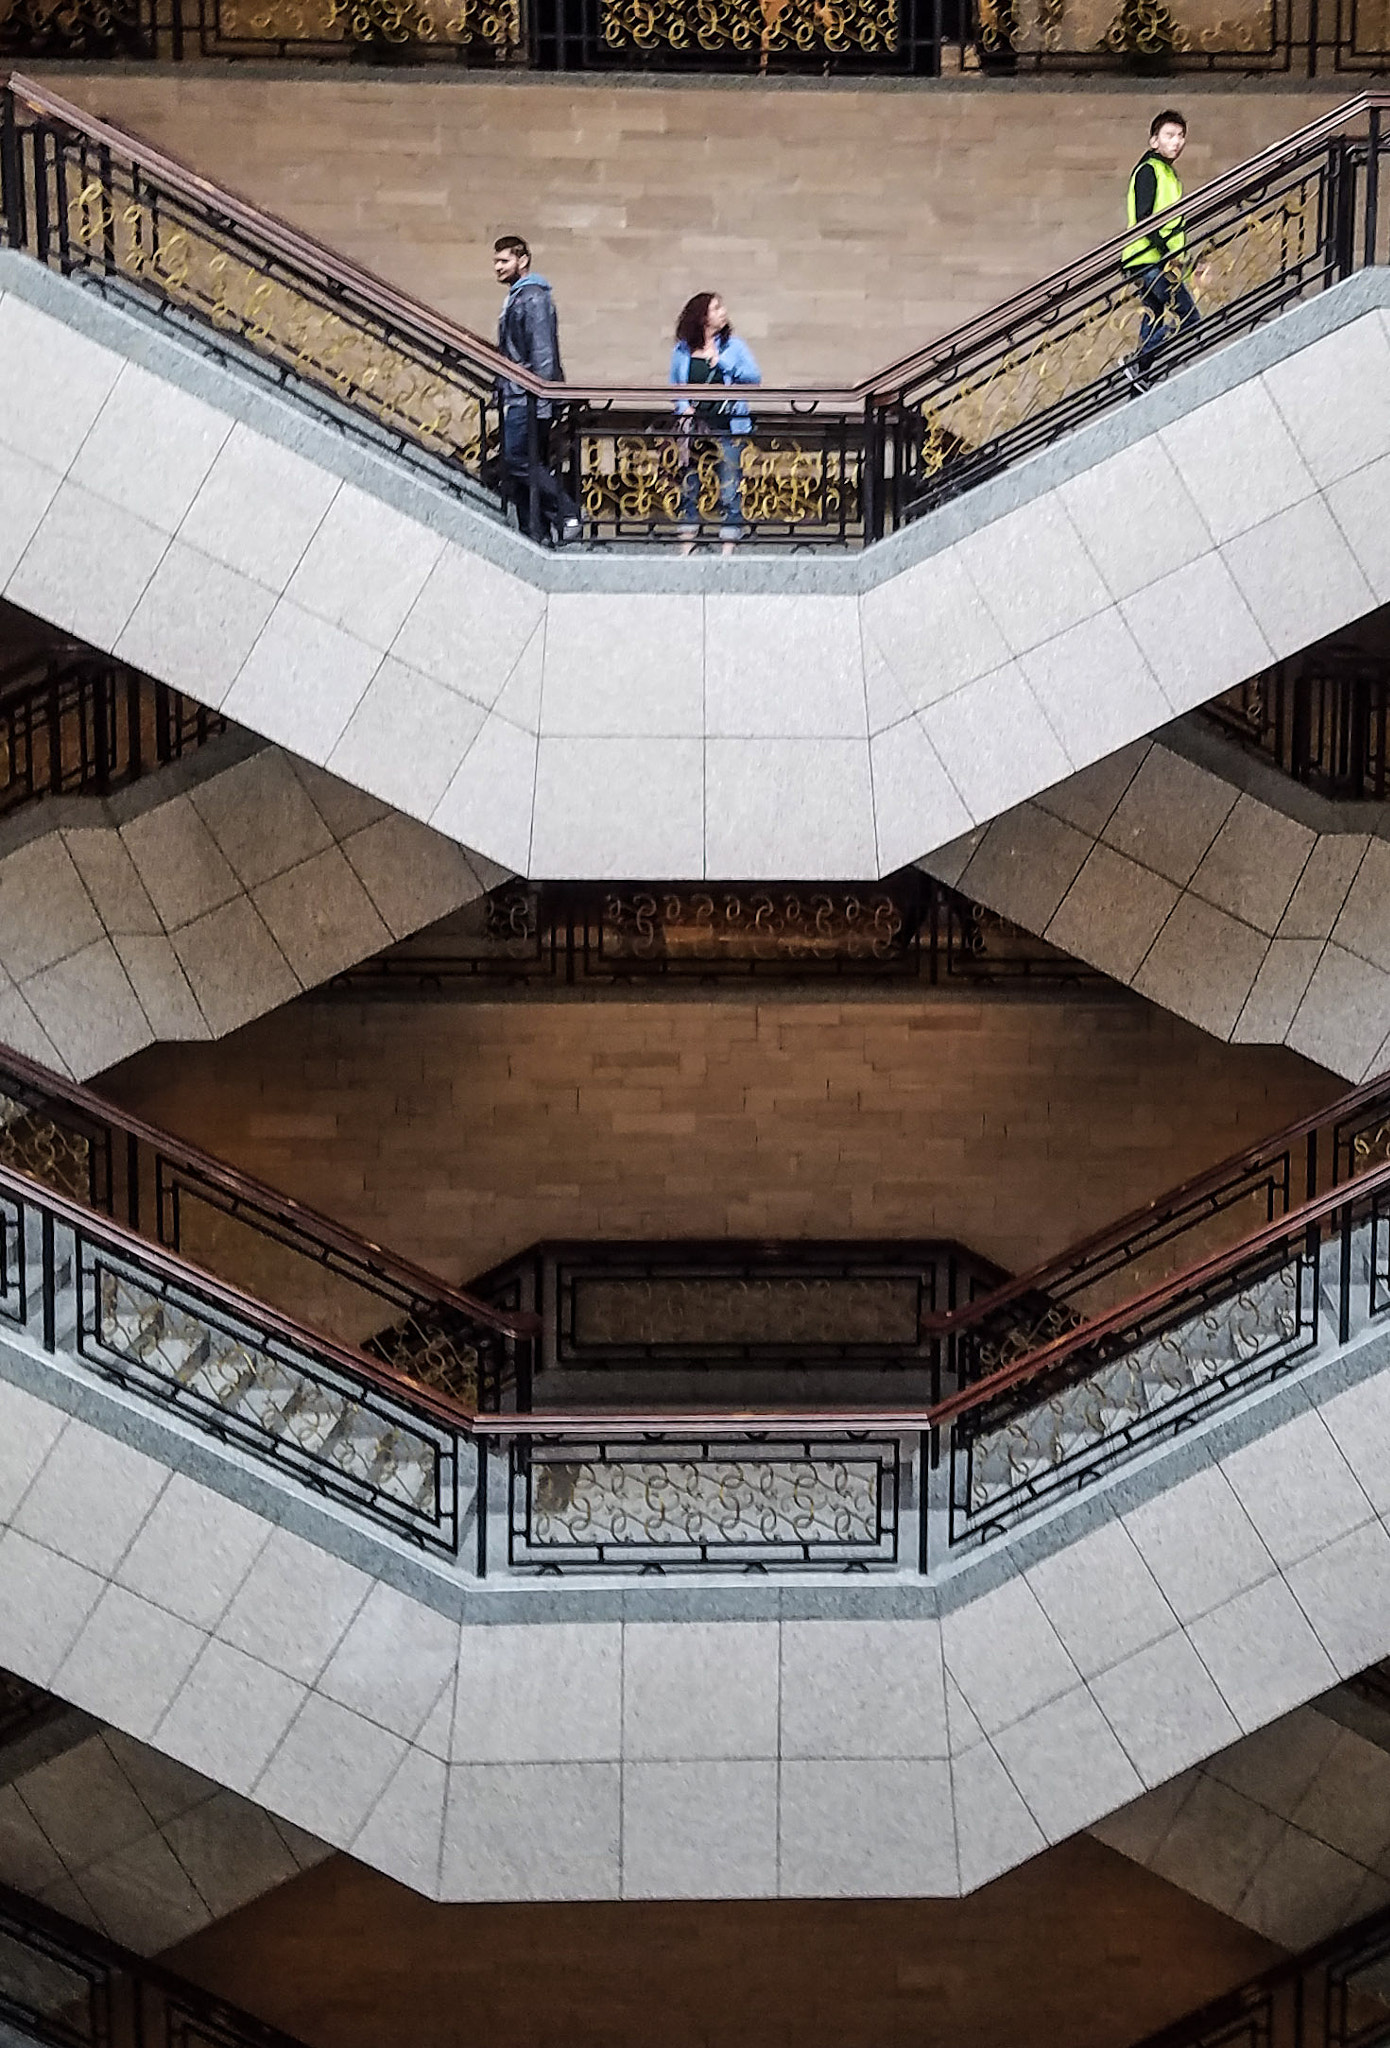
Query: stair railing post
point(49, 1283)
point(533, 466)
point(1370, 226)
point(481, 1514)
point(871, 479)
point(11, 174)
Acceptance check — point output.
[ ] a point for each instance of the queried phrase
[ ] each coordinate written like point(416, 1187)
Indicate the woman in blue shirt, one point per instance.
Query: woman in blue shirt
point(707, 351)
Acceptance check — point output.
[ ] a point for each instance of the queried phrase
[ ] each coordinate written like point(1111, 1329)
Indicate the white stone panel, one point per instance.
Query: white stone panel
point(700, 1831)
point(618, 666)
point(150, 448)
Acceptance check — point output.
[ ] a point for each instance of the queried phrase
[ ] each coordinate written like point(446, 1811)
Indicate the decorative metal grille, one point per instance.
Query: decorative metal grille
point(1037, 1445)
point(73, 724)
point(1323, 718)
point(348, 1439)
point(815, 468)
point(706, 1501)
point(278, 1250)
point(66, 1987)
point(1018, 388)
point(908, 928)
point(461, 31)
point(52, 29)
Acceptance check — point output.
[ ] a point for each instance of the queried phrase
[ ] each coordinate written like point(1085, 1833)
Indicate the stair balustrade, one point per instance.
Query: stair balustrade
point(1050, 1382)
point(1322, 717)
point(1336, 1995)
point(821, 468)
point(63, 1986)
point(76, 723)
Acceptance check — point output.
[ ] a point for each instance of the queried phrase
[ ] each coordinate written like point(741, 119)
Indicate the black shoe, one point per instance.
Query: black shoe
point(1136, 377)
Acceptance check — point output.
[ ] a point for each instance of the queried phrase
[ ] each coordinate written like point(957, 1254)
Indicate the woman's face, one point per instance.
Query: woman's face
point(716, 319)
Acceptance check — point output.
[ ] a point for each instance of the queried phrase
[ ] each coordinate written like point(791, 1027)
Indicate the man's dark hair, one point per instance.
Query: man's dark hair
point(690, 328)
point(511, 245)
point(1169, 114)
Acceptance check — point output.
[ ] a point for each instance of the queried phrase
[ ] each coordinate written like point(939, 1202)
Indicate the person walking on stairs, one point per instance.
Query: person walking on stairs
point(1157, 261)
point(707, 351)
point(528, 333)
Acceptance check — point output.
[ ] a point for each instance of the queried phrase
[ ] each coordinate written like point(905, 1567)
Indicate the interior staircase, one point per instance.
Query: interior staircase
point(977, 624)
point(394, 1461)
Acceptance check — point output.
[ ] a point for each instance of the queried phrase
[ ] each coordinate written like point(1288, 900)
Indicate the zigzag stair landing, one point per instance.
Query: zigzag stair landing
point(410, 1589)
point(829, 720)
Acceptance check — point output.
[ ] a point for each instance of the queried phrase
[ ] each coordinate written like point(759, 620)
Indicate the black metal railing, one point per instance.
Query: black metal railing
point(874, 1487)
point(761, 1323)
point(578, 934)
point(808, 467)
point(1050, 1382)
point(1212, 1214)
point(883, 37)
point(1323, 717)
point(75, 723)
point(63, 1986)
point(1336, 1995)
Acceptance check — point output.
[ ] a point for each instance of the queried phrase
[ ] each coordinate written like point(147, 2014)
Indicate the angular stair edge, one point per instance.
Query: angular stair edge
point(203, 896)
point(1287, 1832)
point(1261, 920)
point(140, 1848)
point(821, 1737)
point(602, 717)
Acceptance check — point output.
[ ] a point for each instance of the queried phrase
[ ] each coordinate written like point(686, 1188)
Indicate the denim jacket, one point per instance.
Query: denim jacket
point(528, 333)
point(737, 362)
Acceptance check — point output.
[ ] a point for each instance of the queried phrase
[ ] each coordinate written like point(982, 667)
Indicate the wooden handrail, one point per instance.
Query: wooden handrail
point(585, 1424)
point(1034, 1363)
point(629, 1424)
point(1042, 1278)
point(223, 1294)
point(1035, 296)
point(231, 1180)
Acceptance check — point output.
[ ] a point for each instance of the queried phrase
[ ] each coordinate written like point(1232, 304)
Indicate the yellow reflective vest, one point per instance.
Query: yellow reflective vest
point(1163, 242)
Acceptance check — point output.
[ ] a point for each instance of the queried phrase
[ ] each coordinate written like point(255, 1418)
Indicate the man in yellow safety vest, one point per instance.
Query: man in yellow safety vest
point(1155, 260)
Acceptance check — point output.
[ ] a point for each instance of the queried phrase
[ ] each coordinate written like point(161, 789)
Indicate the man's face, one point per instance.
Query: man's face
point(508, 265)
point(1169, 141)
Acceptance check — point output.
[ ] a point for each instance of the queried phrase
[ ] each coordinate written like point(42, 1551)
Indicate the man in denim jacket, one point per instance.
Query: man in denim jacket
point(528, 333)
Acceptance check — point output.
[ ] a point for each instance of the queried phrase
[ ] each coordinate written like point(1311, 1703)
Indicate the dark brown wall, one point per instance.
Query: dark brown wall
point(1078, 1949)
point(460, 1132)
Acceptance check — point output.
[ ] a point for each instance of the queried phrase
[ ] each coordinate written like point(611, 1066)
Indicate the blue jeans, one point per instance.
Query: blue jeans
point(554, 503)
point(1168, 308)
point(730, 474)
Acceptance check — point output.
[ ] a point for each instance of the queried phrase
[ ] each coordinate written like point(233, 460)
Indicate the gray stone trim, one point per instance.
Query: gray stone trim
point(181, 353)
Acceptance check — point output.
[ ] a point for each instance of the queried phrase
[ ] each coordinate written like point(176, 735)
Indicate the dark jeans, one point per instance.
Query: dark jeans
point(1168, 308)
point(554, 504)
point(728, 465)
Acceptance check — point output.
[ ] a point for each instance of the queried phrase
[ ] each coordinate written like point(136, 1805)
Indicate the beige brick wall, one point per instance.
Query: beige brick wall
point(460, 1132)
point(845, 227)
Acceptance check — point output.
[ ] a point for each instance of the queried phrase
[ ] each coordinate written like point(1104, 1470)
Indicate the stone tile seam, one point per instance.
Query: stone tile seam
point(1192, 888)
point(1045, 721)
point(134, 520)
point(313, 1686)
point(161, 1828)
point(210, 1631)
